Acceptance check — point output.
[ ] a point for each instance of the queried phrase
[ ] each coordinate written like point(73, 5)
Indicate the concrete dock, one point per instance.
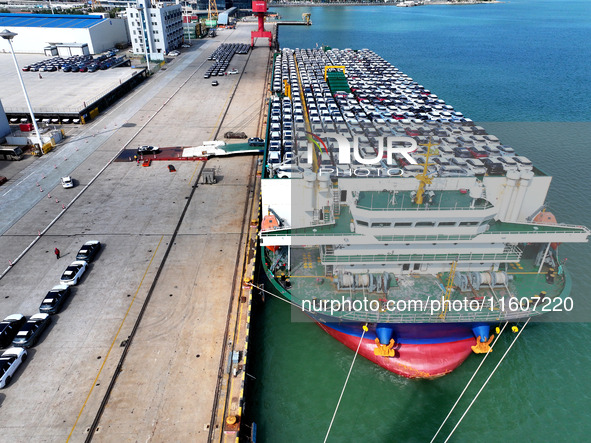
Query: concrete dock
point(142, 350)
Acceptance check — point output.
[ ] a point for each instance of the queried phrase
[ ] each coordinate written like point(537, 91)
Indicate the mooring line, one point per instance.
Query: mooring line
point(485, 383)
point(468, 384)
point(346, 381)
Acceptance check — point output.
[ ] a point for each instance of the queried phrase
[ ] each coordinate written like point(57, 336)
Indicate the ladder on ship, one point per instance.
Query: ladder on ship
point(336, 200)
point(280, 255)
point(448, 288)
point(328, 269)
point(482, 190)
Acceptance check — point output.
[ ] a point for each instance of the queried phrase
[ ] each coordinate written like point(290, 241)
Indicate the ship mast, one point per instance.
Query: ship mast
point(423, 178)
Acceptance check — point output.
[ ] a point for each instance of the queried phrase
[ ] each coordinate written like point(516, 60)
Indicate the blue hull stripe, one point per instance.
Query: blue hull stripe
point(412, 333)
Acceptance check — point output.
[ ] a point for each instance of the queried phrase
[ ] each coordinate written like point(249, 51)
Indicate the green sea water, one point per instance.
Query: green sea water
point(521, 69)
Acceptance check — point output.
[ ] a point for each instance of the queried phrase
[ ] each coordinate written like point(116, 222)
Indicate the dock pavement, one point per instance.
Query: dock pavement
point(142, 350)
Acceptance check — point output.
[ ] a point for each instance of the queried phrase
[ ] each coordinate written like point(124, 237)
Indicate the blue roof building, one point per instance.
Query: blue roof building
point(49, 20)
point(37, 31)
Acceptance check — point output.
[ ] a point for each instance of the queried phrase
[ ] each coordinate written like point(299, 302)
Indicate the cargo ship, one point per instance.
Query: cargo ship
point(394, 222)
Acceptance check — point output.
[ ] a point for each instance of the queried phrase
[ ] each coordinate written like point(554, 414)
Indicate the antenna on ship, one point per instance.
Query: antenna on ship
point(423, 178)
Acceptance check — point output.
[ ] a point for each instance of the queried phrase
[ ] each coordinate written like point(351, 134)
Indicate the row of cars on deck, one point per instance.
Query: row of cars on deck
point(376, 101)
point(19, 333)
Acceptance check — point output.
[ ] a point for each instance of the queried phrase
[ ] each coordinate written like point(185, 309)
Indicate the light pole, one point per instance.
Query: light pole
point(8, 36)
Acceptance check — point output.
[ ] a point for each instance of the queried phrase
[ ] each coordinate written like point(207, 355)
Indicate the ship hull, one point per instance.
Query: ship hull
point(422, 350)
point(416, 358)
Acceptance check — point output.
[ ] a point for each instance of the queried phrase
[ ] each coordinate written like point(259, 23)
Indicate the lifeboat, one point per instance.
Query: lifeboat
point(270, 223)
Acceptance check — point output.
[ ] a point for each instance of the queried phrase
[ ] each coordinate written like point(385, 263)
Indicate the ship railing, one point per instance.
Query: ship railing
point(544, 229)
point(511, 253)
point(308, 234)
point(568, 229)
point(426, 207)
point(416, 237)
point(485, 314)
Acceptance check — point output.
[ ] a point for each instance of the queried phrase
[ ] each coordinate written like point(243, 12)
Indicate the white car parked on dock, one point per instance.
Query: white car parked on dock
point(10, 360)
point(73, 273)
point(67, 182)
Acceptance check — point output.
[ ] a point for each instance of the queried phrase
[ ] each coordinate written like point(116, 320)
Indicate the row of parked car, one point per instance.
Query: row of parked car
point(222, 56)
point(76, 63)
point(19, 333)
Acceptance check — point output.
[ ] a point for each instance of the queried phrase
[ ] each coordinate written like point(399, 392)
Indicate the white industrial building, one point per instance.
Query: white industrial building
point(159, 24)
point(4, 126)
point(38, 31)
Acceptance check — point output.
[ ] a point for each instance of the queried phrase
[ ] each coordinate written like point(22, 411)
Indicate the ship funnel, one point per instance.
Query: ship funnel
point(507, 194)
point(515, 209)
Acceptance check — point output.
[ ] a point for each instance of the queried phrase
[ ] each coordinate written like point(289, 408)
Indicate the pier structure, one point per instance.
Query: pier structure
point(153, 342)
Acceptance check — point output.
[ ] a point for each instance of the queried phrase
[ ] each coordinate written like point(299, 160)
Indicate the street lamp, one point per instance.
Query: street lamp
point(8, 36)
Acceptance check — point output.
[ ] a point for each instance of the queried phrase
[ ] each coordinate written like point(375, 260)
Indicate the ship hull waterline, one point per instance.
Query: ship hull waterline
point(427, 350)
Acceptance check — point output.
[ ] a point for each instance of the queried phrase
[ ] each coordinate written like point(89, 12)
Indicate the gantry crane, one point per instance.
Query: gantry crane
point(259, 8)
point(212, 11)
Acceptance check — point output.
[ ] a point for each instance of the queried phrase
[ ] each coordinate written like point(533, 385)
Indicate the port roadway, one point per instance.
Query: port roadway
point(140, 351)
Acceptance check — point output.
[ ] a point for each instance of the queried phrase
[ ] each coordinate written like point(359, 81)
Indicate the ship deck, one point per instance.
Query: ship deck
point(416, 296)
point(387, 201)
point(342, 227)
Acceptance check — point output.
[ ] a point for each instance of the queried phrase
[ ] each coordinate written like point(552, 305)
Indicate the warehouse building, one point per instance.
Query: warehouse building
point(36, 32)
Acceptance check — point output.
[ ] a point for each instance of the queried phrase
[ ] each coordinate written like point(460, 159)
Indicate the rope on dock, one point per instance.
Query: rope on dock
point(485, 383)
point(289, 302)
point(468, 384)
point(352, 363)
point(346, 381)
